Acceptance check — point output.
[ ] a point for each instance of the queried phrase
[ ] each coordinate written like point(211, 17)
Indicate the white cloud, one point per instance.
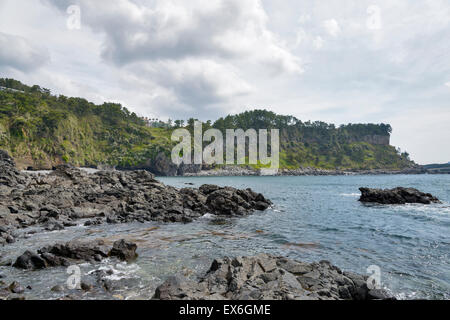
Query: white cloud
point(21, 54)
point(447, 84)
point(332, 27)
point(304, 18)
point(196, 82)
point(176, 29)
point(192, 51)
point(320, 60)
point(318, 42)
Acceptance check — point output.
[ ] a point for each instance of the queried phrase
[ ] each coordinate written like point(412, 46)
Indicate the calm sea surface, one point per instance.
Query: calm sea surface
point(313, 218)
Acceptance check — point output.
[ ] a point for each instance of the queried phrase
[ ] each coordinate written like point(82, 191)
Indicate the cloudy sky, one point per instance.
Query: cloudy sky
point(338, 61)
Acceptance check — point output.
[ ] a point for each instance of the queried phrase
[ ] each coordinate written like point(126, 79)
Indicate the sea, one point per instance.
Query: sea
point(313, 218)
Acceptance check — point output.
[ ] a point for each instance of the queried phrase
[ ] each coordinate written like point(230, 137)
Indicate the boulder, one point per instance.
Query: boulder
point(31, 261)
point(124, 250)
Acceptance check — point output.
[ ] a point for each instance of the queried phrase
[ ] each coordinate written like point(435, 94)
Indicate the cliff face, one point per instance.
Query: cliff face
point(41, 131)
point(377, 140)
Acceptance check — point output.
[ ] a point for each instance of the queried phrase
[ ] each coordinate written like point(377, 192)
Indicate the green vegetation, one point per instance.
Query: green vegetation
point(322, 145)
point(40, 129)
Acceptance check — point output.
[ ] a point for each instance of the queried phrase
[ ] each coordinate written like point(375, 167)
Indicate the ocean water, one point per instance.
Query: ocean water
point(313, 218)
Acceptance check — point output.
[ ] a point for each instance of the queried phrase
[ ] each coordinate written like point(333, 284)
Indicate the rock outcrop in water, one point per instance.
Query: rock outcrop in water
point(270, 278)
point(58, 199)
point(75, 252)
point(397, 195)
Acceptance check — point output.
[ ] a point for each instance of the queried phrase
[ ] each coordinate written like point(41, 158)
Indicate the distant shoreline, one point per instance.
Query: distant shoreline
point(235, 171)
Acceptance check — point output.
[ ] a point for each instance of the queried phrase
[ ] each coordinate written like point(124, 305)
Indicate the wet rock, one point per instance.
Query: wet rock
point(78, 250)
point(111, 220)
point(266, 277)
point(74, 252)
point(397, 195)
point(30, 261)
point(13, 209)
point(94, 222)
point(379, 294)
point(231, 201)
point(53, 225)
point(177, 288)
point(9, 175)
point(58, 199)
point(9, 239)
point(86, 286)
point(124, 250)
point(15, 287)
point(57, 288)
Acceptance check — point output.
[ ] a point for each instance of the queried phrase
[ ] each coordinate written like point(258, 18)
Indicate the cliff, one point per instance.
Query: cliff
point(41, 130)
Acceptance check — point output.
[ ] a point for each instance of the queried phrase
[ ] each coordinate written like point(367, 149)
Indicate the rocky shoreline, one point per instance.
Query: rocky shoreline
point(63, 197)
point(266, 277)
point(248, 171)
point(57, 200)
point(163, 166)
point(261, 277)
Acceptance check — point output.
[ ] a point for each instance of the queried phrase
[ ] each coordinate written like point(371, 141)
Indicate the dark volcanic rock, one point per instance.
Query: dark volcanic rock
point(9, 175)
point(397, 195)
point(124, 250)
point(72, 252)
point(58, 199)
point(30, 260)
point(77, 250)
point(265, 277)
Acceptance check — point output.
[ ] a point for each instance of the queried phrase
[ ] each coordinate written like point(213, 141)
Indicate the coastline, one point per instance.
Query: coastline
point(229, 171)
point(31, 205)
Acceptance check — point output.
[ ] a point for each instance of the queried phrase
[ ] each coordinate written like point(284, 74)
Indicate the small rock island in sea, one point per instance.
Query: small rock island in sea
point(397, 195)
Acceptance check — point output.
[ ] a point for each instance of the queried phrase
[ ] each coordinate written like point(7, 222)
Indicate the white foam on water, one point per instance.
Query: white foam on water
point(208, 216)
point(350, 194)
point(120, 271)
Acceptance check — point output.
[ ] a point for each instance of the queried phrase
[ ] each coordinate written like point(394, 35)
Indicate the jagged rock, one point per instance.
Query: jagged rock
point(124, 250)
point(31, 261)
point(72, 252)
point(57, 199)
point(9, 175)
point(78, 250)
point(266, 277)
point(397, 195)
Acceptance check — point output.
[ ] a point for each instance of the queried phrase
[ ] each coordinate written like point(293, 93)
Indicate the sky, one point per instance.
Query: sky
point(339, 61)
